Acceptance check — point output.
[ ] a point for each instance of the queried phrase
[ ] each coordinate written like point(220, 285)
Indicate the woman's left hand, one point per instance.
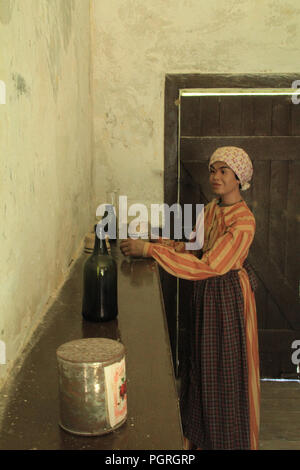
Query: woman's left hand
point(132, 247)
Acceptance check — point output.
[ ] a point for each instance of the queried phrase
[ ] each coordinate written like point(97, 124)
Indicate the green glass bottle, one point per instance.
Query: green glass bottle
point(100, 291)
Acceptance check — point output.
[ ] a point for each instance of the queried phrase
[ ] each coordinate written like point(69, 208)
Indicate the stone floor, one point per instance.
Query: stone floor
point(280, 416)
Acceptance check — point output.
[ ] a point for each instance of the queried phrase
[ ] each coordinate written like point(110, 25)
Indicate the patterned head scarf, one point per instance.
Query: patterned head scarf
point(238, 160)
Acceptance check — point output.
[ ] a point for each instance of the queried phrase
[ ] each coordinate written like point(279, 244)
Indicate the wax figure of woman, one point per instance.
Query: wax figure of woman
point(220, 399)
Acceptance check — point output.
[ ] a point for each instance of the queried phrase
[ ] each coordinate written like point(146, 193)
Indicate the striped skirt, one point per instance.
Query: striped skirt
point(214, 402)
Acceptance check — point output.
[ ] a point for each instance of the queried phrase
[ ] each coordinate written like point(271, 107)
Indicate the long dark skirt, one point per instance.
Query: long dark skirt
point(214, 394)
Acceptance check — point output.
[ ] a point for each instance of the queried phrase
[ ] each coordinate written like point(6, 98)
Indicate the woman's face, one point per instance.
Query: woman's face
point(222, 179)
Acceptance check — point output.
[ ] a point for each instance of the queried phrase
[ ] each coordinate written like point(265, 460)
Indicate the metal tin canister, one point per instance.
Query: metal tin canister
point(92, 386)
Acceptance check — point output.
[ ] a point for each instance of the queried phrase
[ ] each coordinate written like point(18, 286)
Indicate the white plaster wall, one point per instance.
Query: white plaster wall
point(136, 42)
point(45, 157)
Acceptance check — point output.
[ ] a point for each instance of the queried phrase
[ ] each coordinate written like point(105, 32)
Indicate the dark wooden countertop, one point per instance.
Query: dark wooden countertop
point(29, 411)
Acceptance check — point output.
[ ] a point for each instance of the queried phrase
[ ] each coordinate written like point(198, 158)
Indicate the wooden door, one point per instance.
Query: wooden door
point(268, 128)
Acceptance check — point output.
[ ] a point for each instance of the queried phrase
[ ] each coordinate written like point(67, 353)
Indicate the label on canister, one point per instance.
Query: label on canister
point(116, 392)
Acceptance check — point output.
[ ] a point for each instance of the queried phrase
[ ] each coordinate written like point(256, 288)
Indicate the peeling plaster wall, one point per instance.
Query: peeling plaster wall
point(136, 43)
point(45, 157)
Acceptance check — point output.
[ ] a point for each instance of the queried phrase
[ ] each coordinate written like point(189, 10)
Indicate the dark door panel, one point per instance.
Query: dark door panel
point(268, 128)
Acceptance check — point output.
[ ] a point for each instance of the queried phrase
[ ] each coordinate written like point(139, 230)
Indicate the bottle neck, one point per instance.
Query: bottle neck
point(100, 247)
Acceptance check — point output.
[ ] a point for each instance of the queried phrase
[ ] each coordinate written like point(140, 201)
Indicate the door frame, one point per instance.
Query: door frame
point(173, 84)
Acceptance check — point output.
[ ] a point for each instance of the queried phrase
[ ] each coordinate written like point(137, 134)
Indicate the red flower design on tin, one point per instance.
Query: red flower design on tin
point(123, 389)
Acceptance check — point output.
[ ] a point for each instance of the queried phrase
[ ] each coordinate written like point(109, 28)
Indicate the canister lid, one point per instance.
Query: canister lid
point(86, 350)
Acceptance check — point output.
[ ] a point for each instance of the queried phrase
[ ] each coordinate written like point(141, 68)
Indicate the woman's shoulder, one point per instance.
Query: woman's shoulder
point(244, 209)
point(241, 215)
point(232, 213)
point(211, 205)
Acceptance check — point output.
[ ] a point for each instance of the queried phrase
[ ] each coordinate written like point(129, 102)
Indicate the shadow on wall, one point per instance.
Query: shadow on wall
point(2, 353)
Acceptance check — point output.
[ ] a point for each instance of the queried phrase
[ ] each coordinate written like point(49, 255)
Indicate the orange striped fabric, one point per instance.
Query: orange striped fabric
point(228, 234)
point(253, 358)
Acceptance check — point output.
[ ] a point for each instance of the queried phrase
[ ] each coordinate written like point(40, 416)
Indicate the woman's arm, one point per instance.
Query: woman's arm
point(221, 258)
point(178, 246)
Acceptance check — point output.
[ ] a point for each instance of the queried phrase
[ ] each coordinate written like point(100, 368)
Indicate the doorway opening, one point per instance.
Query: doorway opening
point(258, 113)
